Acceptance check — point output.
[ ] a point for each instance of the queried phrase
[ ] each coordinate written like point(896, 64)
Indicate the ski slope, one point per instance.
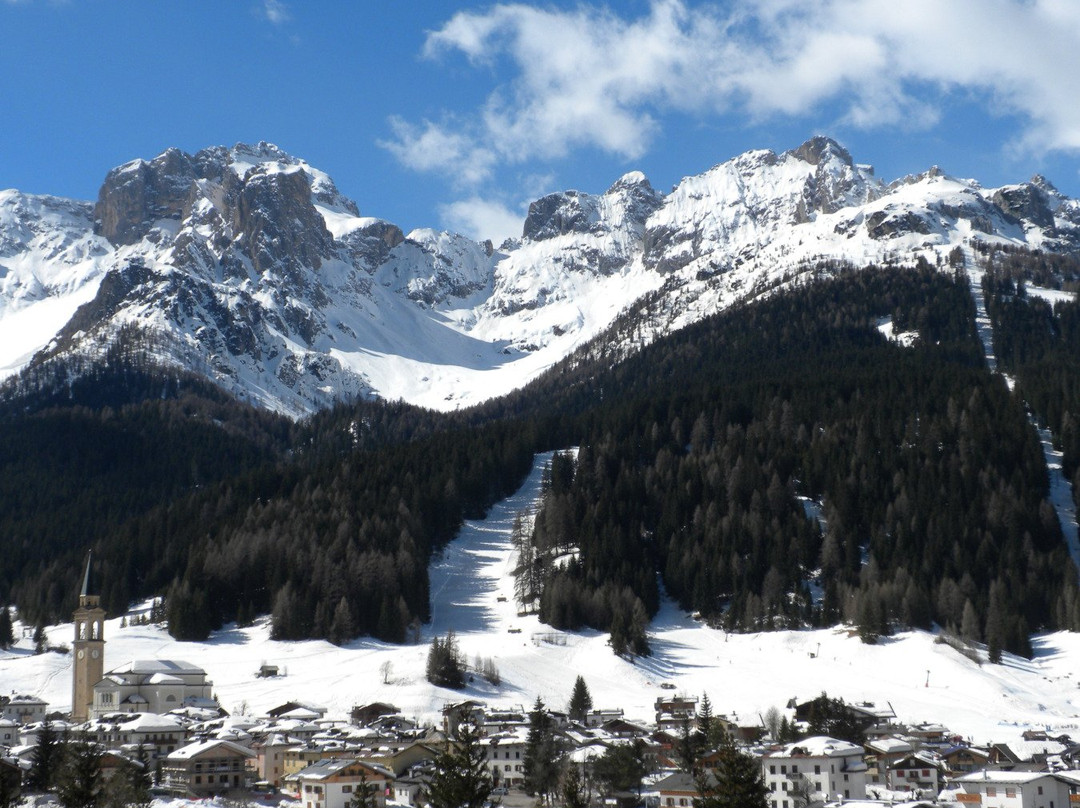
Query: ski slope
point(472, 594)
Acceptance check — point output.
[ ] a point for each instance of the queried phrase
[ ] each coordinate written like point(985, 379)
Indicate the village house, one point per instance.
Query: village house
point(331, 783)
point(505, 754)
point(205, 768)
point(9, 733)
point(675, 712)
point(597, 718)
point(917, 772)
point(269, 762)
point(299, 758)
point(677, 790)
point(160, 735)
point(881, 753)
point(960, 760)
point(814, 769)
point(23, 709)
point(407, 790)
point(365, 715)
point(308, 711)
point(1011, 789)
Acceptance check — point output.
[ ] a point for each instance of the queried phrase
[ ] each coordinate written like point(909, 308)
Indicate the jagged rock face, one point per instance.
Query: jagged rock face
point(276, 223)
point(135, 196)
point(626, 204)
point(1026, 201)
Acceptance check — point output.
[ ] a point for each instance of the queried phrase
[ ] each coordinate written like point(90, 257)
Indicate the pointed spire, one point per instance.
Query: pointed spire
point(86, 576)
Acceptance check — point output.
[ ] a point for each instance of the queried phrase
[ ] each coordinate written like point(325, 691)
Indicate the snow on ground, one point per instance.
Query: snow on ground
point(1052, 296)
point(472, 593)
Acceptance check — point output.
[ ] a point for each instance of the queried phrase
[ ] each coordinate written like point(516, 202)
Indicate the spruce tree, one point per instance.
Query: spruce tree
point(364, 794)
point(580, 700)
point(40, 639)
point(574, 790)
point(542, 758)
point(462, 778)
point(44, 759)
point(736, 782)
point(9, 788)
point(7, 632)
point(79, 784)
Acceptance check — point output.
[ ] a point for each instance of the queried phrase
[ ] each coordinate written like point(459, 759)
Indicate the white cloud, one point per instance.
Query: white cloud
point(482, 219)
point(276, 12)
point(587, 77)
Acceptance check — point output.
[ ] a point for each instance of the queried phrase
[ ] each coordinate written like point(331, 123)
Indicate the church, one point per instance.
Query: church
point(142, 686)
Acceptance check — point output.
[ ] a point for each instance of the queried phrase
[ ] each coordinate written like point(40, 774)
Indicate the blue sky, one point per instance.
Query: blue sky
point(458, 114)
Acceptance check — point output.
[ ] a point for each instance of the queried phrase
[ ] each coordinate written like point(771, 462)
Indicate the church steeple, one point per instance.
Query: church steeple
point(85, 598)
point(89, 648)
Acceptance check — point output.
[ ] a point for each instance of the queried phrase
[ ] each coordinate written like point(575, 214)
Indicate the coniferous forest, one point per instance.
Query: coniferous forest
point(779, 464)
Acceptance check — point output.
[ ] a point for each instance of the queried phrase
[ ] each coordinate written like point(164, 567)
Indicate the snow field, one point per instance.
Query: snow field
point(472, 594)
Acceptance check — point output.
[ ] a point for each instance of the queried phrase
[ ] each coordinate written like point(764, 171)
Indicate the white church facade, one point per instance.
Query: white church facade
point(152, 686)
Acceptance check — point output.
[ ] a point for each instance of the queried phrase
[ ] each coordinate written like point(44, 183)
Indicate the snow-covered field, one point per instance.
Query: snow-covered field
point(472, 593)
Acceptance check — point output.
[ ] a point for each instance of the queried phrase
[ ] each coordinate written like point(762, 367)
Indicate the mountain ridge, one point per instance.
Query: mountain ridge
point(268, 281)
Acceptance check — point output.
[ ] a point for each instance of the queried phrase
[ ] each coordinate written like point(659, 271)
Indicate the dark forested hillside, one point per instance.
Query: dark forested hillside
point(931, 480)
point(701, 460)
point(1039, 343)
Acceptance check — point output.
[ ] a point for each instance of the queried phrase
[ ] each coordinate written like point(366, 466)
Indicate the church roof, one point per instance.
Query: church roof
point(174, 667)
point(164, 679)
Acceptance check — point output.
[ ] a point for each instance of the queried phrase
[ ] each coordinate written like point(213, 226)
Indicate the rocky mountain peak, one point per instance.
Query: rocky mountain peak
point(822, 149)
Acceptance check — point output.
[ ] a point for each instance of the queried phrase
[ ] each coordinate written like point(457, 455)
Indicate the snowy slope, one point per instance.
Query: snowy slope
point(743, 674)
point(265, 278)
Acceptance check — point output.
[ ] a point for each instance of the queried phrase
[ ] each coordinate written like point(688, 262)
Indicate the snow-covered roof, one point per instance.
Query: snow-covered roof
point(816, 746)
point(199, 747)
point(1002, 777)
point(164, 679)
point(889, 745)
point(167, 666)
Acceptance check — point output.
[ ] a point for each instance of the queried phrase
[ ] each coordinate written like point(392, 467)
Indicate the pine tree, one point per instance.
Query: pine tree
point(44, 759)
point(542, 758)
point(580, 701)
point(341, 627)
point(40, 639)
point(736, 782)
point(622, 767)
point(7, 632)
point(364, 794)
point(445, 665)
point(79, 785)
point(9, 788)
point(574, 790)
point(462, 778)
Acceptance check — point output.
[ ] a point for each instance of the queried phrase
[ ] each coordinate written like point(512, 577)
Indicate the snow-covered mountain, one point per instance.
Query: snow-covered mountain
point(257, 272)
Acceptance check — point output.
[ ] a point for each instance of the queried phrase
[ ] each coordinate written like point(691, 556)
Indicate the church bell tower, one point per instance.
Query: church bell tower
point(89, 649)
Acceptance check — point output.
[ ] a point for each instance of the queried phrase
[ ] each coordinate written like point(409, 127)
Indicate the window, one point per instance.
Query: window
point(1040, 789)
point(925, 772)
point(198, 779)
point(991, 791)
point(772, 769)
point(346, 789)
point(1010, 792)
point(817, 769)
point(794, 769)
